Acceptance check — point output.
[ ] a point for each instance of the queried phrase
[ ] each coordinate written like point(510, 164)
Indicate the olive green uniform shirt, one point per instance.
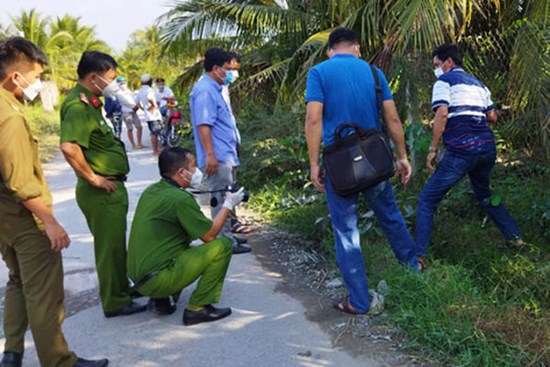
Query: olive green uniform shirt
point(21, 175)
point(83, 123)
point(167, 219)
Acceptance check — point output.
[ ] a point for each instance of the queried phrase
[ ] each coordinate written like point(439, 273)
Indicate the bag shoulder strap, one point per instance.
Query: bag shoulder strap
point(378, 90)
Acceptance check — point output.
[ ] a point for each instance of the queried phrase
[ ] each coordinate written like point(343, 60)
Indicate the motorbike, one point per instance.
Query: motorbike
point(169, 135)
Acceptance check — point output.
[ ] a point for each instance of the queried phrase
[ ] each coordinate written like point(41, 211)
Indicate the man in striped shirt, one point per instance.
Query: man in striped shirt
point(463, 111)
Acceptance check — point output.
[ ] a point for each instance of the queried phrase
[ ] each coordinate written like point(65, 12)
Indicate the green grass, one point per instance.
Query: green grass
point(478, 305)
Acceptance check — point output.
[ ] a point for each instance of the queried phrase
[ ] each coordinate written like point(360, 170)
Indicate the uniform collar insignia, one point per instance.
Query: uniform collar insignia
point(95, 102)
point(83, 98)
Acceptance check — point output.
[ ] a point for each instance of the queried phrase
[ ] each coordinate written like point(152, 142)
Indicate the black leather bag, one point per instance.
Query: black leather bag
point(361, 159)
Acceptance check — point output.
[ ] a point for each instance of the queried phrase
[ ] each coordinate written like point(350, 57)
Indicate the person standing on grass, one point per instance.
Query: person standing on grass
point(463, 111)
point(340, 90)
point(31, 239)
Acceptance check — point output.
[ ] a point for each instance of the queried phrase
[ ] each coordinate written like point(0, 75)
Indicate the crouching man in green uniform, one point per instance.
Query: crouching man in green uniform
point(31, 239)
point(167, 219)
point(101, 165)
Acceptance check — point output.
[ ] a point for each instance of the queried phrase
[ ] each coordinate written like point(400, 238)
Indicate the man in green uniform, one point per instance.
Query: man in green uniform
point(167, 219)
point(101, 165)
point(31, 239)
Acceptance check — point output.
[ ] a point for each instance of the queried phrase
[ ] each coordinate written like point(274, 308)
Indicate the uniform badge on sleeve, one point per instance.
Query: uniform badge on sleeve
point(83, 98)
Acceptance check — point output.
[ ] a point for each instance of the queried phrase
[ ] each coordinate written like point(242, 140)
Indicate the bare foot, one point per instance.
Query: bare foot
point(156, 152)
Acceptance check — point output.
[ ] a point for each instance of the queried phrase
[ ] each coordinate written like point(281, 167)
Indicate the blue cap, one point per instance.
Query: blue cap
point(120, 79)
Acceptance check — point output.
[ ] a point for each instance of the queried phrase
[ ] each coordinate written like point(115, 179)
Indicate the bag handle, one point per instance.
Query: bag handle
point(348, 125)
point(378, 90)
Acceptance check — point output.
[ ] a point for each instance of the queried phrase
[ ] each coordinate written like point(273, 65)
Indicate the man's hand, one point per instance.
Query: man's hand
point(404, 169)
point(430, 161)
point(104, 183)
point(232, 199)
point(211, 164)
point(316, 177)
point(57, 236)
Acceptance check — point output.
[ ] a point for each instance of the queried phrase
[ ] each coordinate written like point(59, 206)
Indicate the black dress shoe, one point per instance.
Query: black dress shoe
point(240, 240)
point(162, 306)
point(132, 308)
point(207, 314)
point(241, 249)
point(81, 362)
point(12, 359)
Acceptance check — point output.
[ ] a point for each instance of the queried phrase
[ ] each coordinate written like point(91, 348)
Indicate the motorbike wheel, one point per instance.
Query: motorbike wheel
point(173, 138)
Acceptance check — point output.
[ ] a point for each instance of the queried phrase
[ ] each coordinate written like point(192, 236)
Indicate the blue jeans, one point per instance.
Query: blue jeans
point(449, 171)
point(343, 211)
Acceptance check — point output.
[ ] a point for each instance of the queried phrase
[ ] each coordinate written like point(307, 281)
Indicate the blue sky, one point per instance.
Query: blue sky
point(114, 20)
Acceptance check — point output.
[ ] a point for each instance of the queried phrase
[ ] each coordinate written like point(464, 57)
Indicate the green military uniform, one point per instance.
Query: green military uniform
point(167, 219)
point(83, 123)
point(34, 293)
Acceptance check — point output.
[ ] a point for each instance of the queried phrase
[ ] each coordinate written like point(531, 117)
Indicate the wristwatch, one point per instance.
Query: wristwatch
point(432, 149)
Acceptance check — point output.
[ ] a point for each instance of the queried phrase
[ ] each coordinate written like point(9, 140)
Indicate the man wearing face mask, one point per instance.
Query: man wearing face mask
point(101, 165)
point(163, 94)
point(167, 220)
point(216, 135)
point(147, 100)
point(231, 76)
point(463, 111)
point(31, 239)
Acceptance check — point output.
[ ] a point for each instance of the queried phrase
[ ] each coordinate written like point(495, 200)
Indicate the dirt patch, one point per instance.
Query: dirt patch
point(307, 277)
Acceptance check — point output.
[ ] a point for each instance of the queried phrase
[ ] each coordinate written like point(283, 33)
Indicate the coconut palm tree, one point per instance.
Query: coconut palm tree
point(283, 39)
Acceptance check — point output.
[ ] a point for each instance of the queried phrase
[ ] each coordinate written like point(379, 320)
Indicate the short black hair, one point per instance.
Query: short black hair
point(235, 56)
point(94, 62)
point(160, 80)
point(172, 159)
point(215, 56)
point(340, 35)
point(14, 49)
point(447, 50)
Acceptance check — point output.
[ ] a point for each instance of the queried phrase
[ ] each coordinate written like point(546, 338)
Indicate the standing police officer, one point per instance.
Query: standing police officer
point(101, 165)
point(31, 239)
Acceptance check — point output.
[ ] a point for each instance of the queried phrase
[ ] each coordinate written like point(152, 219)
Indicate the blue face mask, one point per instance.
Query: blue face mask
point(230, 76)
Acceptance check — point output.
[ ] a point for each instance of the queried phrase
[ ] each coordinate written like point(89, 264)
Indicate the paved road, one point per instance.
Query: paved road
point(267, 328)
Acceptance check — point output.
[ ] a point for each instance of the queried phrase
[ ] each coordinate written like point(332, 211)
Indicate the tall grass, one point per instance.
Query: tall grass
point(478, 304)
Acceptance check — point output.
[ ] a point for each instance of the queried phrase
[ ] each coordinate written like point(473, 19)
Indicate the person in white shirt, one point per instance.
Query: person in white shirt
point(129, 112)
point(147, 101)
point(163, 94)
point(233, 73)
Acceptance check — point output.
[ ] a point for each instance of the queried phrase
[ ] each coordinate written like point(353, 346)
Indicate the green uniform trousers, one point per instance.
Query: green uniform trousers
point(106, 217)
point(208, 261)
point(34, 292)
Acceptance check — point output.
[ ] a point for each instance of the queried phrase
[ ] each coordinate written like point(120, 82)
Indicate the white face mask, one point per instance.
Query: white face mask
point(111, 89)
point(32, 90)
point(196, 179)
point(438, 72)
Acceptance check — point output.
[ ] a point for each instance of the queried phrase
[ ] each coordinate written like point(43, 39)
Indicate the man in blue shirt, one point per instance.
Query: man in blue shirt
point(342, 90)
point(216, 136)
point(463, 110)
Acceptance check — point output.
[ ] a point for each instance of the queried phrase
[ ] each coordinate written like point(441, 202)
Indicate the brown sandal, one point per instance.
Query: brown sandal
point(344, 306)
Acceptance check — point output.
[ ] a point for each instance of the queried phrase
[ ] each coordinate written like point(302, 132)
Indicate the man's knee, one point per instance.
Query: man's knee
point(223, 244)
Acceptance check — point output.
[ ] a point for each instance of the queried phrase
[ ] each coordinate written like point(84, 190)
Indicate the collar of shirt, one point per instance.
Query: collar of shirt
point(92, 99)
point(457, 68)
point(13, 102)
point(343, 56)
point(214, 83)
